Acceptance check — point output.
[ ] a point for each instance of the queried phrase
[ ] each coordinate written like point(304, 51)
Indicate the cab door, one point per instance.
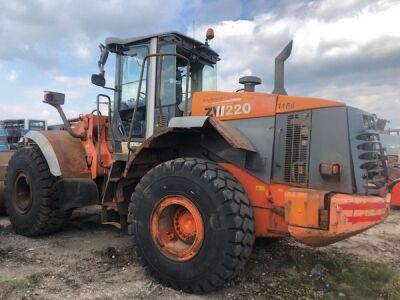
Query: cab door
point(128, 68)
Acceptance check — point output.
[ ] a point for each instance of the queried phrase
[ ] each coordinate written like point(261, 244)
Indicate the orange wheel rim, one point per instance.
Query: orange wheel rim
point(22, 193)
point(177, 228)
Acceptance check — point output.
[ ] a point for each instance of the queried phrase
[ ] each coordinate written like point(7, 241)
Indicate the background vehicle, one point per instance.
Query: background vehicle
point(11, 132)
point(195, 175)
point(17, 128)
point(391, 142)
point(5, 155)
point(3, 141)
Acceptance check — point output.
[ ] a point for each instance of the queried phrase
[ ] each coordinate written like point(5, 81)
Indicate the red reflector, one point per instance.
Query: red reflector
point(362, 206)
point(335, 169)
point(359, 219)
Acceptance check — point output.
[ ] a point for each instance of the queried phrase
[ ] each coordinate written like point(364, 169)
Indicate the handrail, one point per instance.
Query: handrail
point(98, 126)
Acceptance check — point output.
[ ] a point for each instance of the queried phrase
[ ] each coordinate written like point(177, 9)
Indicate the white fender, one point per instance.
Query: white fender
point(47, 149)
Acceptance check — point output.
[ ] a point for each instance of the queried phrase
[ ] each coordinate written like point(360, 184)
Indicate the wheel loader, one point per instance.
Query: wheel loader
point(195, 175)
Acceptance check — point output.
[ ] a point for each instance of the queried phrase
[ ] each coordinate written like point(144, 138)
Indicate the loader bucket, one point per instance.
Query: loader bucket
point(4, 158)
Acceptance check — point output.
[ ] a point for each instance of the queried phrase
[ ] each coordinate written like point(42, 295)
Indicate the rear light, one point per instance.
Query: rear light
point(330, 169)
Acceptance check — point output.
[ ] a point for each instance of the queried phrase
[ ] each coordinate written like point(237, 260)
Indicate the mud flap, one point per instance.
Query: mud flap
point(77, 192)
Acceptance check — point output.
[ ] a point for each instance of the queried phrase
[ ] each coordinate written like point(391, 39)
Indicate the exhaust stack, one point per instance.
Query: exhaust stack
point(279, 85)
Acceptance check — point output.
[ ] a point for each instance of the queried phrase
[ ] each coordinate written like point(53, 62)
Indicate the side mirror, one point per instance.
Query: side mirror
point(53, 98)
point(98, 79)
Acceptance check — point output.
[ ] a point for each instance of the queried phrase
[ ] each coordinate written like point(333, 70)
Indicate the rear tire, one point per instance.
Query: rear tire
point(199, 192)
point(31, 194)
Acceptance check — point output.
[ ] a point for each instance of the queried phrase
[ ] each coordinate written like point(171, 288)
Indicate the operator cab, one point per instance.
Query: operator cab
point(156, 75)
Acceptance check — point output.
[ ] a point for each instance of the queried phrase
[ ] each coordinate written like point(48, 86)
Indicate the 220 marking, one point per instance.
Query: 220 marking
point(228, 110)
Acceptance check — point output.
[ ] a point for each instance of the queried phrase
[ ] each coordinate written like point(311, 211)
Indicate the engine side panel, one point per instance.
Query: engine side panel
point(260, 132)
point(306, 139)
point(330, 144)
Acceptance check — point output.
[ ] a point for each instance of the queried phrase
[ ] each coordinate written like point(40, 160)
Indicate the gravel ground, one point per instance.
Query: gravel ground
point(93, 261)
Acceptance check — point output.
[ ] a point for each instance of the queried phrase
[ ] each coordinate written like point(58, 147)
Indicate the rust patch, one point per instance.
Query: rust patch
point(70, 154)
point(303, 207)
point(320, 238)
point(4, 158)
point(146, 144)
point(232, 135)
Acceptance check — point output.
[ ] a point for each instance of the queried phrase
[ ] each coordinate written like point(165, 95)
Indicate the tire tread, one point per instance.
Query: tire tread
point(50, 218)
point(235, 206)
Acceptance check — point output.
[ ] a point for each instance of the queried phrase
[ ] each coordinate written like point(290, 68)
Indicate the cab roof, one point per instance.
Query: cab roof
point(114, 44)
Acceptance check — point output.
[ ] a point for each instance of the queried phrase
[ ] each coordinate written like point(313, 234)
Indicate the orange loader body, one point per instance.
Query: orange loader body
point(279, 209)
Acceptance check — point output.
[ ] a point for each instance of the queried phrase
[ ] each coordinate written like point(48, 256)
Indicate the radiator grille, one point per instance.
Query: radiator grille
point(371, 156)
point(297, 148)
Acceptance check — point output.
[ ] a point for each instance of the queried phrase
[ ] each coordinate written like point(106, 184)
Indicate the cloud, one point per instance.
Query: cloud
point(27, 101)
point(346, 50)
point(12, 75)
point(212, 11)
point(39, 31)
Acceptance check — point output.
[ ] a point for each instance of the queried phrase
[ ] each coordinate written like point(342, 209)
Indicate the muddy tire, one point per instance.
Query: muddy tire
point(32, 201)
point(192, 224)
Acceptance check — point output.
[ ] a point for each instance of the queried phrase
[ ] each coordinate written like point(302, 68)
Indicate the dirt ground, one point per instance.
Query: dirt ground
point(93, 261)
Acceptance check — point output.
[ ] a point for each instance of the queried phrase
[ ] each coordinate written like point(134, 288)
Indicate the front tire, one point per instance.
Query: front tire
point(192, 224)
point(32, 200)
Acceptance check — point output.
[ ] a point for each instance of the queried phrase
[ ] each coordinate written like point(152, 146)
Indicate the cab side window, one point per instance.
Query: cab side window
point(131, 66)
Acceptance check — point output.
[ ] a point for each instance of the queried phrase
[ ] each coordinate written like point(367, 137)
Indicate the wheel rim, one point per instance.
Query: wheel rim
point(177, 228)
point(22, 193)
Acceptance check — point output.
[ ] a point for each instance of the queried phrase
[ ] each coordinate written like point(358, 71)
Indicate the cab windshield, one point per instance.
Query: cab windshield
point(131, 65)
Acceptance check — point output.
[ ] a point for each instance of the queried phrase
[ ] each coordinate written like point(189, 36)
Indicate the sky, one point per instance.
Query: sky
point(343, 50)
